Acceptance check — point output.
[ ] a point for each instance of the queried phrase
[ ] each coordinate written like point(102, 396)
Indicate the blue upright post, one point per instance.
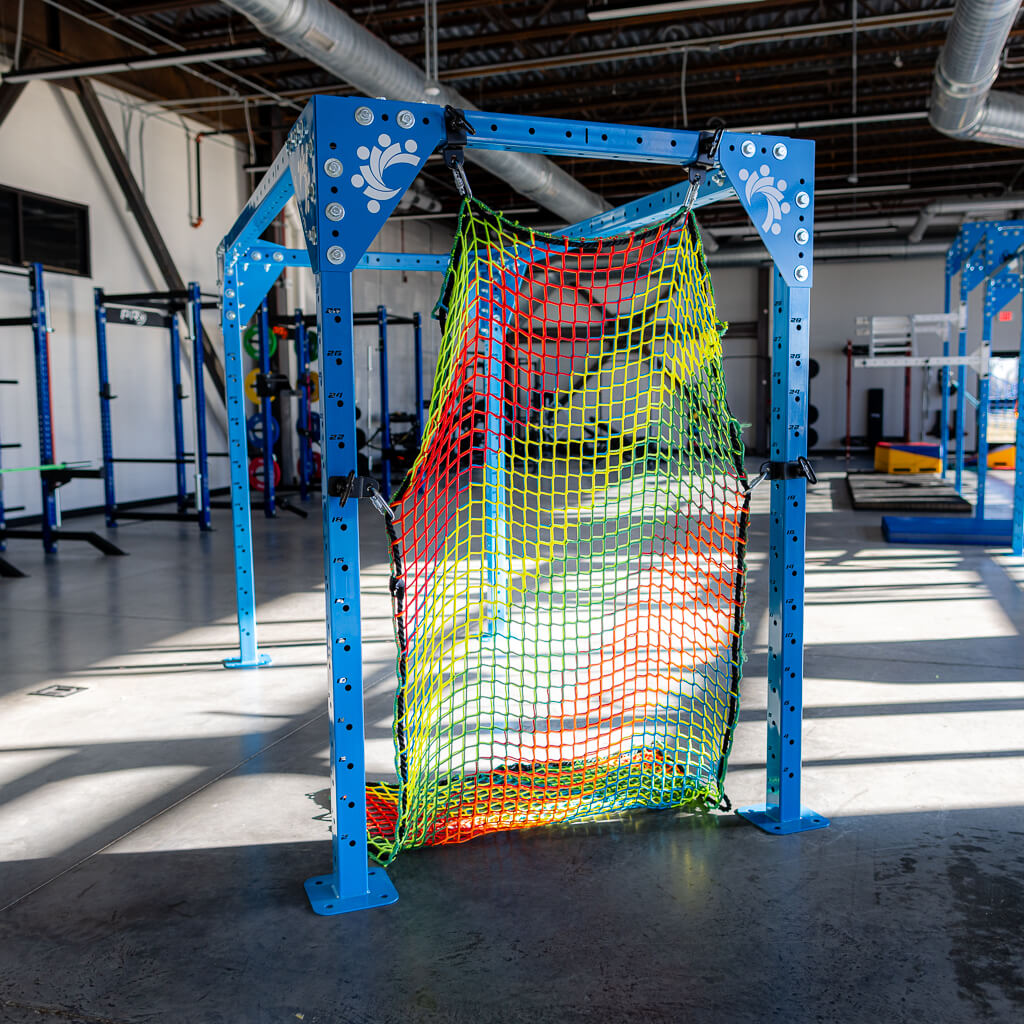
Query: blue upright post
point(1018, 477)
point(385, 408)
point(241, 515)
point(106, 396)
point(352, 883)
point(202, 456)
point(961, 387)
point(266, 414)
point(44, 405)
point(782, 811)
point(305, 442)
point(178, 399)
point(944, 376)
point(417, 332)
point(983, 399)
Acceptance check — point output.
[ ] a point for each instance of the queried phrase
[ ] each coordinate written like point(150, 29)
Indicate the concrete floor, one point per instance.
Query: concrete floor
point(157, 824)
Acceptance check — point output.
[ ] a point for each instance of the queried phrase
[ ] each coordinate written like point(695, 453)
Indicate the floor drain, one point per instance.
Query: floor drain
point(56, 690)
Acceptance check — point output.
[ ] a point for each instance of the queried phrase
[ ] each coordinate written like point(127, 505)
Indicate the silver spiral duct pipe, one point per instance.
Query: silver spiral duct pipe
point(326, 35)
point(963, 104)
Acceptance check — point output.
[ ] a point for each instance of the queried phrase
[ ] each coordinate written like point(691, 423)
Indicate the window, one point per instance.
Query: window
point(37, 229)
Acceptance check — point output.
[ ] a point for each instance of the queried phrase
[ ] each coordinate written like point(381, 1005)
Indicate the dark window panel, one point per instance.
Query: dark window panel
point(8, 227)
point(36, 229)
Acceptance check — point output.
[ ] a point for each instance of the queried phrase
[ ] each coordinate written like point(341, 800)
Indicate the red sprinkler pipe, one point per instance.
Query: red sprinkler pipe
point(198, 219)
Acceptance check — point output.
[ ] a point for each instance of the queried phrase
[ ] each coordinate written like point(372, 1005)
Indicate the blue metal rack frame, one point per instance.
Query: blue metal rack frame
point(382, 319)
point(347, 161)
point(50, 480)
point(157, 310)
point(989, 254)
point(307, 426)
point(266, 415)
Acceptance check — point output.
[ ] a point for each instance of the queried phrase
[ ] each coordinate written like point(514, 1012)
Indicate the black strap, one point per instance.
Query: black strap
point(270, 385)
point(456, 129)
point(800, 468)
point(707, 160)
point(352, 486)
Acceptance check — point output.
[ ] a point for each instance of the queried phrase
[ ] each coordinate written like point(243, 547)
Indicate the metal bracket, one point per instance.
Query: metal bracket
point(453, 151)
point(774, 182)
point(352, 486)
point(800, 469)
point(707, 160)
point(270, 385)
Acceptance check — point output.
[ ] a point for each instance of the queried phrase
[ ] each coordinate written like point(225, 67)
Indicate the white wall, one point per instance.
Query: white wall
point(47, 147)
point(842, 292)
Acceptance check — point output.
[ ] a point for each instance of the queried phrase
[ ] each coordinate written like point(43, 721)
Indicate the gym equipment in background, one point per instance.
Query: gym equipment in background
point(159, 310)
point(399, 432)
point(987, 255)
point(52, 474)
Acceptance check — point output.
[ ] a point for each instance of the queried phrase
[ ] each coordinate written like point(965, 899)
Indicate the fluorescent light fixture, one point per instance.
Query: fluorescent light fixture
point(859, 190)
point(682, 6)
point(111, 67)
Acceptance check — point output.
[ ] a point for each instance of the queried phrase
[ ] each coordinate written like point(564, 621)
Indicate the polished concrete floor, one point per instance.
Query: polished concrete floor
point(157, 822)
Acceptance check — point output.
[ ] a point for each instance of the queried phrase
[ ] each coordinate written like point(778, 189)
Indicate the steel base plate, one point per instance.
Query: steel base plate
point(261, 660)
point(323, 894)
point(757, 814)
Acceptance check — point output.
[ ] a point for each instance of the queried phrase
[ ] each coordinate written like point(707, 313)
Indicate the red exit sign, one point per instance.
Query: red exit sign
point(1005, 316)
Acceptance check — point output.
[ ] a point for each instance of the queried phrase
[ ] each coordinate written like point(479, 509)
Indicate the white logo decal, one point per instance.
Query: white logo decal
point(762, 183)
point(379, 159)
point(135, 316)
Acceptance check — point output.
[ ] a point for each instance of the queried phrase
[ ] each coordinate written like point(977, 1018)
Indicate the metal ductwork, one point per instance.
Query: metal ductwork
point(963, 104)
point(326, 35)
point(997, 205)
point(755, 254)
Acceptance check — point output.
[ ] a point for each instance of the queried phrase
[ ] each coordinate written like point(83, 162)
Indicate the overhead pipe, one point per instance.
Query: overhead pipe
point(755, 254)
point(938, 207)
point(963, 104)
point(326, 35)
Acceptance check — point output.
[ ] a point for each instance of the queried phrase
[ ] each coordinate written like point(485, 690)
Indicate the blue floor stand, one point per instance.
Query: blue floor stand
point(261, 660)
point(947, 530)
point(767, 819)
point(324, 898)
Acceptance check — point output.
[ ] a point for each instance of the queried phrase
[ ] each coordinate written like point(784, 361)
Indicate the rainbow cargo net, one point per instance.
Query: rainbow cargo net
point(568, 548)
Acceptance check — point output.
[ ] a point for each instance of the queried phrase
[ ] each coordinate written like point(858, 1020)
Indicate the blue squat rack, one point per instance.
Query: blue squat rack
point(988, 255)
point(160, 310)
point(52, 475)
point(263, 429)
point(347, 161)
point(382, 319)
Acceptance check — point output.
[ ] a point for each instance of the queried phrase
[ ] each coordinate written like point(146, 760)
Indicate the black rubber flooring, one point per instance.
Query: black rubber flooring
point(917, 493)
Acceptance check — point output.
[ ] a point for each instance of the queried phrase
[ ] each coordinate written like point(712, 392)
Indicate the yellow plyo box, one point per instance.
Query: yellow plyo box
point(910, 457)
point(1004, 457)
